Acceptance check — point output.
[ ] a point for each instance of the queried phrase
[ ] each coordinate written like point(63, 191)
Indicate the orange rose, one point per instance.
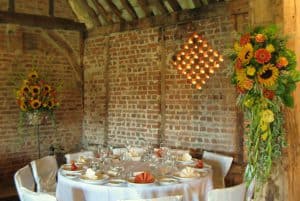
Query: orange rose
point(260, 38)
point(282, 62)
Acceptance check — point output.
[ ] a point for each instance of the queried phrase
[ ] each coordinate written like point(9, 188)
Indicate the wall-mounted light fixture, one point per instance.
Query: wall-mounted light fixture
point(197, 60)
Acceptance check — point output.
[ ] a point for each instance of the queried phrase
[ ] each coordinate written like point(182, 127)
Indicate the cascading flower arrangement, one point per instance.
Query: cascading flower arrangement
point(264, 73)
point(36, 99)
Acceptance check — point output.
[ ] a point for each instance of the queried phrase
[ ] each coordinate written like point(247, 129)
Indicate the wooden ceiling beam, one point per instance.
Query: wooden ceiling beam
point(175, 5)
point(197, 3)
point(129, 9)
point(161, 6)
point(145, 7)
point(40, 21)
point(106, 16)
point(115, 9)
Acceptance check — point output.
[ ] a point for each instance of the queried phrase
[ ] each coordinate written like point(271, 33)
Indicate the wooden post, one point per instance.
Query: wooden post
point(291, 20)
point(51, 8)
point(11, 6)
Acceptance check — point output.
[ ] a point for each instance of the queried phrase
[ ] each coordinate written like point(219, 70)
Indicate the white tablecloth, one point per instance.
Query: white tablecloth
point(75, 190)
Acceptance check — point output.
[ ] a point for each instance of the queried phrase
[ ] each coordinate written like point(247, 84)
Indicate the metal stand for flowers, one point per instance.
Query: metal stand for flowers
point(36, 119)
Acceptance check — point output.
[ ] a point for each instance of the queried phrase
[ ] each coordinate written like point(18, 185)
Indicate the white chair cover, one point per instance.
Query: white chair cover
point(33, 196)
point(44, 173)
point(235, 193)
point(168, 198)
point(76, 156)
point(23, 178)
point(220, 165)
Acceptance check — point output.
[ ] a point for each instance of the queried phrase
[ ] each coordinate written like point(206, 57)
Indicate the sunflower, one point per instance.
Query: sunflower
point(25, 82)
point(270, 48)
point(50, 104)
point(33, 75)
point(241, 75)
point(246, 53)
point(23, 106)
point(25, 89)
point(245, 39)
point(35, 104)
point(250, 70)
point(47, 88)
point(262, 56)
point(35, 89)
point(268, 75)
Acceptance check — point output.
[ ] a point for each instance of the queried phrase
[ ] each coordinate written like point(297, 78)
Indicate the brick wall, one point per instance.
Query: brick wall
point(21, 49)
point(129, 103)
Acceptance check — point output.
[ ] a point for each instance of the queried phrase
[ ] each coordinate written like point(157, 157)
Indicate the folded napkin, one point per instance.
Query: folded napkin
point(188, 172)
point(133, 153)
point(199, 164)
point(144, 177)
point(91, 174)
point(186, 157)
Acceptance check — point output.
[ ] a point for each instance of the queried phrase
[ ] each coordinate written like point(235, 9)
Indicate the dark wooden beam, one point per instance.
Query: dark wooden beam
point(161, 6)
point(40, 21)
point(145, 7)
point(115, 10)
point(175, 5)
point(197, 3)
point(129, 9)
point(51, 7)
point(103, 12)
point(11, 6)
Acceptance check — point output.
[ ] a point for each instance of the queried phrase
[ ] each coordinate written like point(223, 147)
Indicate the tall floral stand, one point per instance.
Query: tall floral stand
point(36, 119)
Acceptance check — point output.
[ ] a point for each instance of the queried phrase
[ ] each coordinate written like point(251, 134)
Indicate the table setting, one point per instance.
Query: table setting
point(154, 173)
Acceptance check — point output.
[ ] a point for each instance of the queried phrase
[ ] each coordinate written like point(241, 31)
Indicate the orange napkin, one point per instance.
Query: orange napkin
point(159, 152)
point(144, 177)
point(199, 164)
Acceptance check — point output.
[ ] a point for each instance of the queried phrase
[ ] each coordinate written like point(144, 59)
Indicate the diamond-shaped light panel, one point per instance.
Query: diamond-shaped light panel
point(197, 60)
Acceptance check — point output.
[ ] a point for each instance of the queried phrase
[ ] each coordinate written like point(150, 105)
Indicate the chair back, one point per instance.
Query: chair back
point(44, 173)
point(33, 196)
point(23, 179)
point(167, 198)
point(235, 193)
point(220, 165)
point(77, 155)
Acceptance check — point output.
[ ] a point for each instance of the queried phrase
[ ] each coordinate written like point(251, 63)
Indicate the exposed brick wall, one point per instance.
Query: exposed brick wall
point(18, 55)
point(194, 119)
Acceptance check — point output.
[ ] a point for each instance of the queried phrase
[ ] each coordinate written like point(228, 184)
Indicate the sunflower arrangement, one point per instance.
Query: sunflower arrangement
point(35, 97)
point(264, 73)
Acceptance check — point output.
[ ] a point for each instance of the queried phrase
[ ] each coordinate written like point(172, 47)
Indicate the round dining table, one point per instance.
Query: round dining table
point(74, 189)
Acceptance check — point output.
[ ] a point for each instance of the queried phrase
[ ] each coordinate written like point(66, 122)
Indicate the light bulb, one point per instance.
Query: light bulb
point(186, 46)
point(198, 77)
point(198, 86)
point(211, 60)
point(211, 71)
point(190, 41)
point(194, 81)
point(207, 76)
point(221, 59)
point(217, 65)
point(203, 81)
point(188, 66)
point(196, 56)
point(206, 65)
point(216, 54)
point(197, 66)
point(202, 71)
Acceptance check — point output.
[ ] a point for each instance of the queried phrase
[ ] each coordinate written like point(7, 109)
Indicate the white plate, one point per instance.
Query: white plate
point(101, 180)
point(167, 181)
point(116, 182)
point(177, 176)
point(186, 162)
point(70, 176)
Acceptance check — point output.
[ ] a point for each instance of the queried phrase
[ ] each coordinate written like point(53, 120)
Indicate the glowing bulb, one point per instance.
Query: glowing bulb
point(193, 72)
point(195, 46)
point(190, 41)
point(196, 56)
point(195, 35)
point(194, 81)
point(205, 45)
point(217, 65)
point(183, 63)
point(207, 76)
point(198, 77)
point(206, 65)
point(203, 81)
point(179, 67)
point(182, 53)
point(202, 71)
point(211, 60)
point(199, 40)
point(197, 67)
point(210, 50)
point(178, 58)
point(188, 66)
point(221, 59)
point(198, 86)
point(205, 55)
point(211, 71)
point(186, 47)
point(183, 72)
point(187, 56)
point(216, 54)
